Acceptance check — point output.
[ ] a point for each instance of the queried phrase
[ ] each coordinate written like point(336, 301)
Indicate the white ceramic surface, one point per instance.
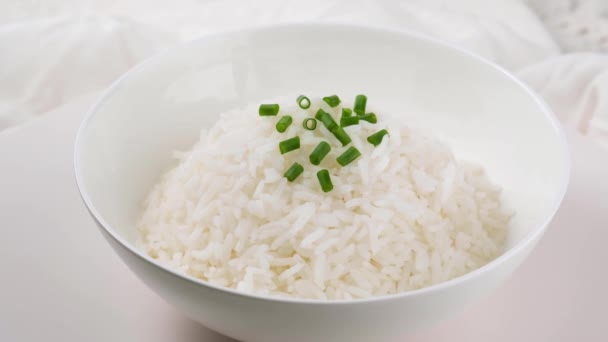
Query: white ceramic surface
point(126, 140)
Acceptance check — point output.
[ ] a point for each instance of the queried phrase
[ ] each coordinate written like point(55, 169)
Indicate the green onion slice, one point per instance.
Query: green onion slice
point(319, 153)
point(348, 156)
point(326, 119)
point(303, 102)
point(369, 117)
point(325, 180)
point(346, 121)
point(269, 109)
point(320, 113)
point(376, 138)
point(284, 123)
point(341, 135)
point(333, 100)
point(346, 112)
point(289, 145)
point(293, 172)
point(309, 124)
point(360, 103)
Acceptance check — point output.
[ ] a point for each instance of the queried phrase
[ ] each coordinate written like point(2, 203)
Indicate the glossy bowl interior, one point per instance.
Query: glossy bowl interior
point(486, 115)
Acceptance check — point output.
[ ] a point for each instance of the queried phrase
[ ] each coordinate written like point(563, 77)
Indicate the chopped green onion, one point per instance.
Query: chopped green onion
point(332, 101)
point(376, 138)
point(346, 112)
point(341, 135)
point(360, 103)
point(346, 121)
point(320, 113)
point(303, 102)
point(310, 124)
point(326, 119)
point(369, 117)
point(325, 180)
point(319, 153)
point(293, 172)
point(289, 145)
point(348, 156)
point(269, 109)
point(284, 123)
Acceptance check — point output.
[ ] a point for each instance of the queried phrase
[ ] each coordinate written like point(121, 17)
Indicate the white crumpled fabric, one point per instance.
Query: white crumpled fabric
point(52, 53)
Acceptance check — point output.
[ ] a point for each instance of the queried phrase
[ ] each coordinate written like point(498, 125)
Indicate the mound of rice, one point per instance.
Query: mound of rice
point(403, 216)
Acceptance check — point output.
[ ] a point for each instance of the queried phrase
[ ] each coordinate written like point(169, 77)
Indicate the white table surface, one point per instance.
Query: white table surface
point(61, 281)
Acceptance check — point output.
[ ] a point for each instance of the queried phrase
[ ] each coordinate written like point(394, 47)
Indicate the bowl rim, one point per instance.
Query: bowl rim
point(398, 33)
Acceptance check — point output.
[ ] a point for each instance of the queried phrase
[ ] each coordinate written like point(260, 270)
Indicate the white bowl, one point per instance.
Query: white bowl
point(126, 140)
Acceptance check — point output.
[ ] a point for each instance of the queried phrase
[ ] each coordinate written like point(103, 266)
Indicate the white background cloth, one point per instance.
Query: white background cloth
point(52, 52)
point(61, 281)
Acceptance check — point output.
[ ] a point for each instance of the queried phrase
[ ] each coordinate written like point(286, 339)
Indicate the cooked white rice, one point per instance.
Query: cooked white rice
point(403, 216)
